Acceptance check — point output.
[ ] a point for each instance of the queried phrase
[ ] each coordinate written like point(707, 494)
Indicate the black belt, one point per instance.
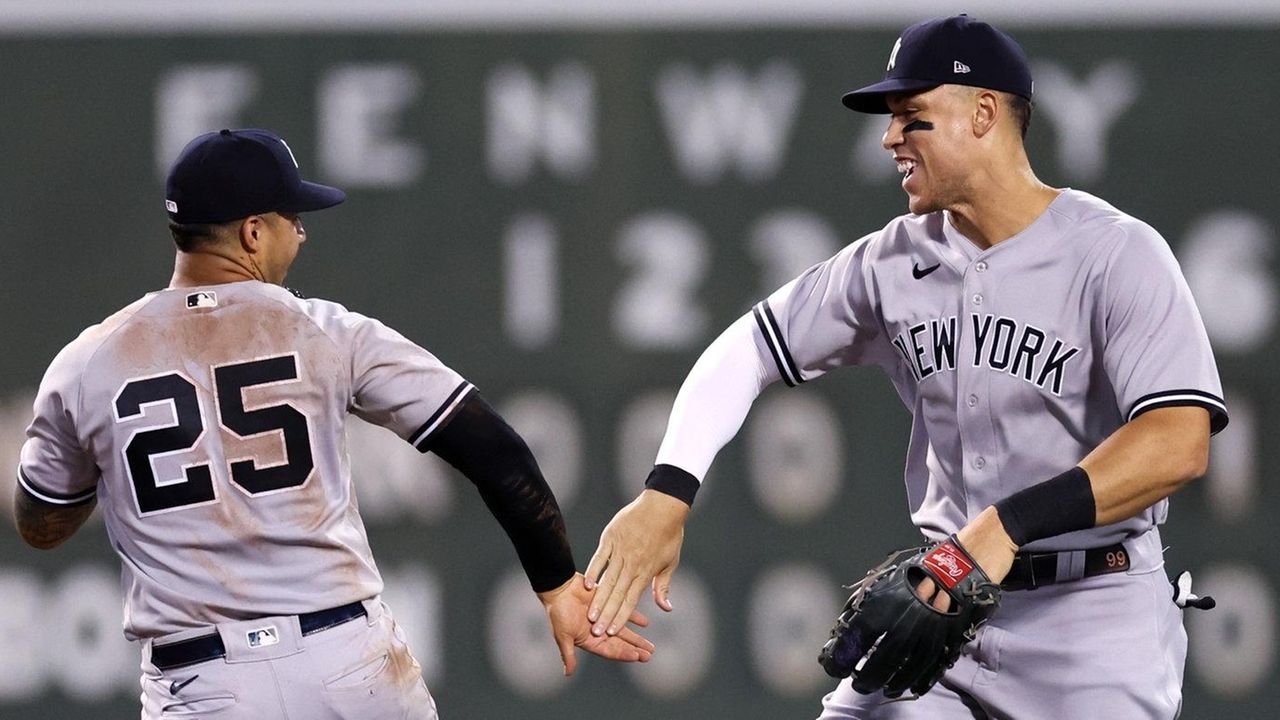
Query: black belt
point(1032, 569)
point(209, 647)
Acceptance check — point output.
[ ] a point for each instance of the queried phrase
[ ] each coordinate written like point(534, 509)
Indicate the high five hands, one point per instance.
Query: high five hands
point(567, 608)
point(639, 548)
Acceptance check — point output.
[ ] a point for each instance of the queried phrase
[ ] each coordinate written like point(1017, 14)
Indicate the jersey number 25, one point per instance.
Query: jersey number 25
point(196, 485)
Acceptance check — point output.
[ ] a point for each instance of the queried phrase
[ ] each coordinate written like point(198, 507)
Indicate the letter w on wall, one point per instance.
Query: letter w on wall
point(728, 118)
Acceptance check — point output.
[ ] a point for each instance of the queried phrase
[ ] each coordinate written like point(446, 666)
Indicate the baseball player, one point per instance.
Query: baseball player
point(207, 420)
point(1061, 386)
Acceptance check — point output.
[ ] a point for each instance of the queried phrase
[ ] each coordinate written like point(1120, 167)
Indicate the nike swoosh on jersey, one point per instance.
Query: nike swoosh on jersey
point(917, 273)
point(175, 686)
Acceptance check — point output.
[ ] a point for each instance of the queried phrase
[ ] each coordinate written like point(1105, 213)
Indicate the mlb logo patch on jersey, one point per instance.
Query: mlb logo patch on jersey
point(263, 637)
point(202, 300)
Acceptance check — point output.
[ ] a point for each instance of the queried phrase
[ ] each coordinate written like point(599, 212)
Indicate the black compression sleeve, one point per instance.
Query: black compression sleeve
point(480, 444)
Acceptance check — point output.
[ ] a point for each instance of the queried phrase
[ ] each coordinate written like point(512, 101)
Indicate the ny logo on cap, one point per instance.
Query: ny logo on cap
point(262, 637)
point(893, 56)
point(290, 151)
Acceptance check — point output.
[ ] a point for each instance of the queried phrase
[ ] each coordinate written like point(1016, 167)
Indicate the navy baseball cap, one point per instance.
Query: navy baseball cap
point(956, 50)
point(222, 176)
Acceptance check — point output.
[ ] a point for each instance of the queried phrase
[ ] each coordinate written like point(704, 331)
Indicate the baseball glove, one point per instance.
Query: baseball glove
point(887, 638)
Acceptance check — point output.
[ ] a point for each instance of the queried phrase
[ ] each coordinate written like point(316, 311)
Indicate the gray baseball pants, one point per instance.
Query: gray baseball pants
point(1110, 646)
point(359, 670)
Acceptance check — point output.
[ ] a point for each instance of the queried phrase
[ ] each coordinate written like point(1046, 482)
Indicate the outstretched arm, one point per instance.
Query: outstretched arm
point(479, 443)
point(640, 547)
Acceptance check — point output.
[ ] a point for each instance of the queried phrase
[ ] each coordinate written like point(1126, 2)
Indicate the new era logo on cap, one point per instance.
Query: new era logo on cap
point(171, 206)
point(960, 68)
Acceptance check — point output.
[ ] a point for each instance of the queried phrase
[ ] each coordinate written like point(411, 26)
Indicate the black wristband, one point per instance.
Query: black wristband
point(1061, 504)
point(673, 481)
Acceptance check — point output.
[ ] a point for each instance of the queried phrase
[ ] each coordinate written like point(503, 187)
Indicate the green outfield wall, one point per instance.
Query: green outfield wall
point(567, 216)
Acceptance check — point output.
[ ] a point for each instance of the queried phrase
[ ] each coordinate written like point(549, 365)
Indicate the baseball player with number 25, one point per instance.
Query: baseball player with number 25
point(207, 419)
point(1061, 385)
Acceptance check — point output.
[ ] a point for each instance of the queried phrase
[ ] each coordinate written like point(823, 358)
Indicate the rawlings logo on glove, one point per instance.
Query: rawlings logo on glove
point(949, 565)
point(888, 638)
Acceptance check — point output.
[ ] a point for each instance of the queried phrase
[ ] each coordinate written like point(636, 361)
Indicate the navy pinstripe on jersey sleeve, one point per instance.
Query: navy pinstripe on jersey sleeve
point(776, 343)
point(1173, 398)
point(54, 498)
point(420, 436)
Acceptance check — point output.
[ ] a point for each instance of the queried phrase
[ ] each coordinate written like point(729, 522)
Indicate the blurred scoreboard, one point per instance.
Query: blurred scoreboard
point(568, 216)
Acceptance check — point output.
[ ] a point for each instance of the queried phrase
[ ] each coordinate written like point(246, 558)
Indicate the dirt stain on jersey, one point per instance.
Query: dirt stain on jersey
point(212, 566)
point(142, 348)
point(238, 515)
point(314, 505)
point(404, 668)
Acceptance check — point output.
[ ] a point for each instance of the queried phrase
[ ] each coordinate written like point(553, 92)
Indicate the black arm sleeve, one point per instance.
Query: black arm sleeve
point(480, 444)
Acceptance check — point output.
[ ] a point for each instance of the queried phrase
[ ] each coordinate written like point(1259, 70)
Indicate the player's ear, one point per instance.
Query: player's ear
point(986, 108)
point(250, 230)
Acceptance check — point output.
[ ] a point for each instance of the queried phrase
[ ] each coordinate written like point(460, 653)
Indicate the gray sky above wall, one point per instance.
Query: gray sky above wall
point(134, 17)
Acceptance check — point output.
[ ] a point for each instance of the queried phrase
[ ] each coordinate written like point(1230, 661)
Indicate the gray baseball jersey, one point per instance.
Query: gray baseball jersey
point(1015, 361)
point(209, 422)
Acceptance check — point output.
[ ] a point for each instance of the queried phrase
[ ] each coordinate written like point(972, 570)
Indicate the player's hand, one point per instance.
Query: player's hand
point(567, 612)
point(640, 547)
point(988, 543)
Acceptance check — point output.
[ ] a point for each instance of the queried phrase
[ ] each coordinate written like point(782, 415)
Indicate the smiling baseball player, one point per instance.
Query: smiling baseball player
point(208, 421)
point(1061, 385)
